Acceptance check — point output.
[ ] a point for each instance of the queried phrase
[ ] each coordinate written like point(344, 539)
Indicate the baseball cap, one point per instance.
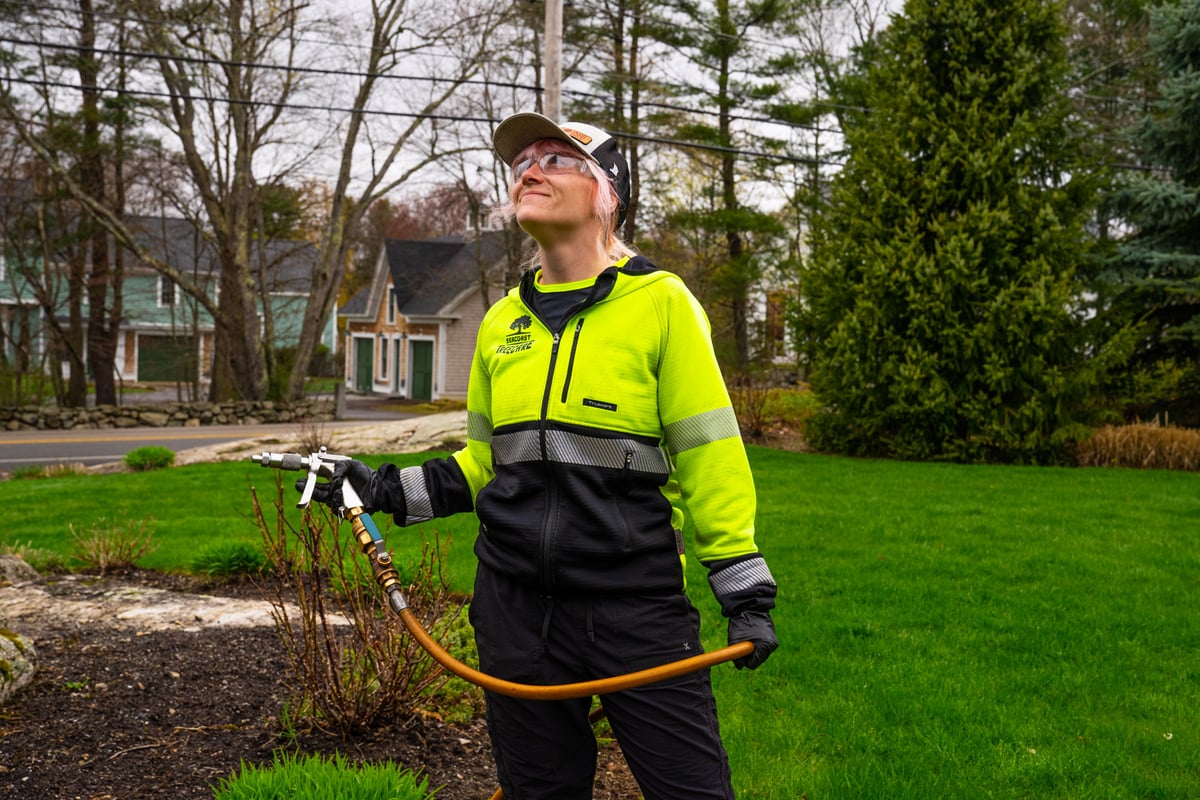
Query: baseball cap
point(517, 132)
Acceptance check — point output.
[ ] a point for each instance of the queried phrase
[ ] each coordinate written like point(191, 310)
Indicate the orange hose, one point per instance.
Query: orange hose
point(564, 691)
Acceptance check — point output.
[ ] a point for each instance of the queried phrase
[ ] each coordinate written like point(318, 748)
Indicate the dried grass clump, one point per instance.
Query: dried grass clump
point(111, 546)
point(1143, 445)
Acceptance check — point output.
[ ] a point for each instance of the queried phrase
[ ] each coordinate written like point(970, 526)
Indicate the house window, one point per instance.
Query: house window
point(3, 267)
point(167, 295)
point(391, 305)
point(383, 357)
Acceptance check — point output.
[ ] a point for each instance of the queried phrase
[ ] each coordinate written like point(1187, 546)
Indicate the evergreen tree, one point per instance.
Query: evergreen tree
point(735, 68)
point(937, 306)
point(1155, 275)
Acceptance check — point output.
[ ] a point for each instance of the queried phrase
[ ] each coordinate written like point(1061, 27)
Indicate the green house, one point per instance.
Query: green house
point(165, 335)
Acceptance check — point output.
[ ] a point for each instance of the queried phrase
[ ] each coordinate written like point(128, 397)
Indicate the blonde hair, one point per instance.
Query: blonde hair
point(605, 205)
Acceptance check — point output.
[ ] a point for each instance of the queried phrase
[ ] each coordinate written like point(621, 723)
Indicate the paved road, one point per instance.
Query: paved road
point(92, 447)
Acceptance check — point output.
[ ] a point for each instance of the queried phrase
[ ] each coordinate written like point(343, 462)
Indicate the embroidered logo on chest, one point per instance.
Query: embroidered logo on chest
point(518, 338)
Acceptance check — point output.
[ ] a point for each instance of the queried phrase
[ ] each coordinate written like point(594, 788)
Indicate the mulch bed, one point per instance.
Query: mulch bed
point(114, 713)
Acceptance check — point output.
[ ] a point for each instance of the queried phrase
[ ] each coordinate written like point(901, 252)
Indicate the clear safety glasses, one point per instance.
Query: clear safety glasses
point(550, 164)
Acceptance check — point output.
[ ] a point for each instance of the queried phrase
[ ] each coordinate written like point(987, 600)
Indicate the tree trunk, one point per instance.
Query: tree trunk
point(101, 353)
point(75, 395)
point(238, 370)
point(734, 281)
point(323, 299)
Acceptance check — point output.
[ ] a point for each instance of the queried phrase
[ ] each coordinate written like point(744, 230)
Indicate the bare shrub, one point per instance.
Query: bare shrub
point(771, 413)
point(113, 545)
point(311, 435)
point(1141, 446)
point(750, 398)
point(353, 662)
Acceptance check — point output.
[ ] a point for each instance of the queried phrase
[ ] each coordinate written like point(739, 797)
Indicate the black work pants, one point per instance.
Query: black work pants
point(545, 749)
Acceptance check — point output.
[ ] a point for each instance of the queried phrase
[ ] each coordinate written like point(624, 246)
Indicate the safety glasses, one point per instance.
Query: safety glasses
point(550, 164)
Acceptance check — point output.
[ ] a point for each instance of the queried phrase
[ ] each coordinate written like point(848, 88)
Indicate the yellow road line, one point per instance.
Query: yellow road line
point(129, 437)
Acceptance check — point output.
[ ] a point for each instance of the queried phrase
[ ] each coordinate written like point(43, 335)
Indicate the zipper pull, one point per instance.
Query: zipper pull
point(625, 480)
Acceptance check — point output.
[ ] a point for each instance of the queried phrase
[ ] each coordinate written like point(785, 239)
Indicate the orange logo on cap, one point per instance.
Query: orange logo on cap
point(578, 136)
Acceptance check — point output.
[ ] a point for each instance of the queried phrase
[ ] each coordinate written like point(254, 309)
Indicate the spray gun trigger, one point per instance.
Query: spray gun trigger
point(306, 495)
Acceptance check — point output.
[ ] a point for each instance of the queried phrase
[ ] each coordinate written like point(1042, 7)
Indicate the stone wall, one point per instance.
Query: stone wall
point(163, 415)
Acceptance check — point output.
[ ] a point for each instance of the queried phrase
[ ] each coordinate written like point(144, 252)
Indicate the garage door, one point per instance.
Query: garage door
point(166, 358)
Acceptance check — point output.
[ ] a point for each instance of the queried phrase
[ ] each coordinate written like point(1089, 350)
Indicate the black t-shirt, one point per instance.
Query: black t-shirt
point(552, 307)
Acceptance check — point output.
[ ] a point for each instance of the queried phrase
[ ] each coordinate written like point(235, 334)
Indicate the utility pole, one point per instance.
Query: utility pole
point(554, 37)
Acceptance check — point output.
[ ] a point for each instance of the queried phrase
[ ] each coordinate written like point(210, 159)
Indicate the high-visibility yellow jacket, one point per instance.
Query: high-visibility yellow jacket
point(586, 444)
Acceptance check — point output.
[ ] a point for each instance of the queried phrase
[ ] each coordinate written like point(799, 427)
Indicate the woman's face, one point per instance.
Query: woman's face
point(553, 192)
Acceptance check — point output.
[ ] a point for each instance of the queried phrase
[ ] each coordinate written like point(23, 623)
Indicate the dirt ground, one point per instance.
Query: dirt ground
point(143, 707)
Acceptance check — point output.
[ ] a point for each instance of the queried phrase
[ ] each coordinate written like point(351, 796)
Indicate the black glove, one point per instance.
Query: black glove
point(757, 627)
point(364, 480)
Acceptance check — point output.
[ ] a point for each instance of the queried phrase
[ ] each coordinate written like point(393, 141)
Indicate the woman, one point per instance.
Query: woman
point(596, 414)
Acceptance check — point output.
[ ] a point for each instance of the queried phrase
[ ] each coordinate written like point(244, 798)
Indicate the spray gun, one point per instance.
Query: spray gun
point(321, 464)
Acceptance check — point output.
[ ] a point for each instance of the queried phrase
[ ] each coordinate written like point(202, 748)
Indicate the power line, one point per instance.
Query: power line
point(141, 21)
point(207, 98)
point(631, 80)
point(688, 110)
point(138, 20)
point(708, 29)
point(220, 62)
point(780, 157)
point(714, 148)
point(119, 52)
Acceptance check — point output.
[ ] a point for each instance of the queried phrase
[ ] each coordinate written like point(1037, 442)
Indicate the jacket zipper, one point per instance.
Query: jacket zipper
point(548, 533)
point(549, 524)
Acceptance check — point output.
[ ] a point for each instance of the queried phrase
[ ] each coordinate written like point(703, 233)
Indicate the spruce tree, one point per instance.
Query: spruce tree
point(1154, 280)
point(937, 304)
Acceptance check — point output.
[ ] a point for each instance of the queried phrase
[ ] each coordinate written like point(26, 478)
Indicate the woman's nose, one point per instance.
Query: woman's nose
point(528, 173)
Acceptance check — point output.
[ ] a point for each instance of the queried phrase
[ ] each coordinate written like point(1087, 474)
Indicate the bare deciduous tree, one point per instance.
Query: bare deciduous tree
point(249, 105)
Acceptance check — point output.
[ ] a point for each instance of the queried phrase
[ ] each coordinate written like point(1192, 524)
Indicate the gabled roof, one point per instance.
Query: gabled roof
point(176, 242)
point(428, 275)
point(180, 244)
point(357, 305)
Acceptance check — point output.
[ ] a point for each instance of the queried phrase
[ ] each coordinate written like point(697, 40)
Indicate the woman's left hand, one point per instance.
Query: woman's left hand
point(757, 627)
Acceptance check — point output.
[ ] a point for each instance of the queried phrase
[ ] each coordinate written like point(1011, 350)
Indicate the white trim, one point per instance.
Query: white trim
point(383, 358)
point(440, 353)
point(163, 282)
point(398, 384)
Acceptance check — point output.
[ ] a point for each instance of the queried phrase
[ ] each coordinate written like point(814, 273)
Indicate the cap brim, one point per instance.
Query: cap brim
point(517, 132)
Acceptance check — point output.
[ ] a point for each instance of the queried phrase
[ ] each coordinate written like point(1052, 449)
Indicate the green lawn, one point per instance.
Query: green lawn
point(947, 631)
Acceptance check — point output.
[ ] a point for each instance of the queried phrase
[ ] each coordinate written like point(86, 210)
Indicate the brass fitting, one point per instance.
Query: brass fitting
point(386, 574)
